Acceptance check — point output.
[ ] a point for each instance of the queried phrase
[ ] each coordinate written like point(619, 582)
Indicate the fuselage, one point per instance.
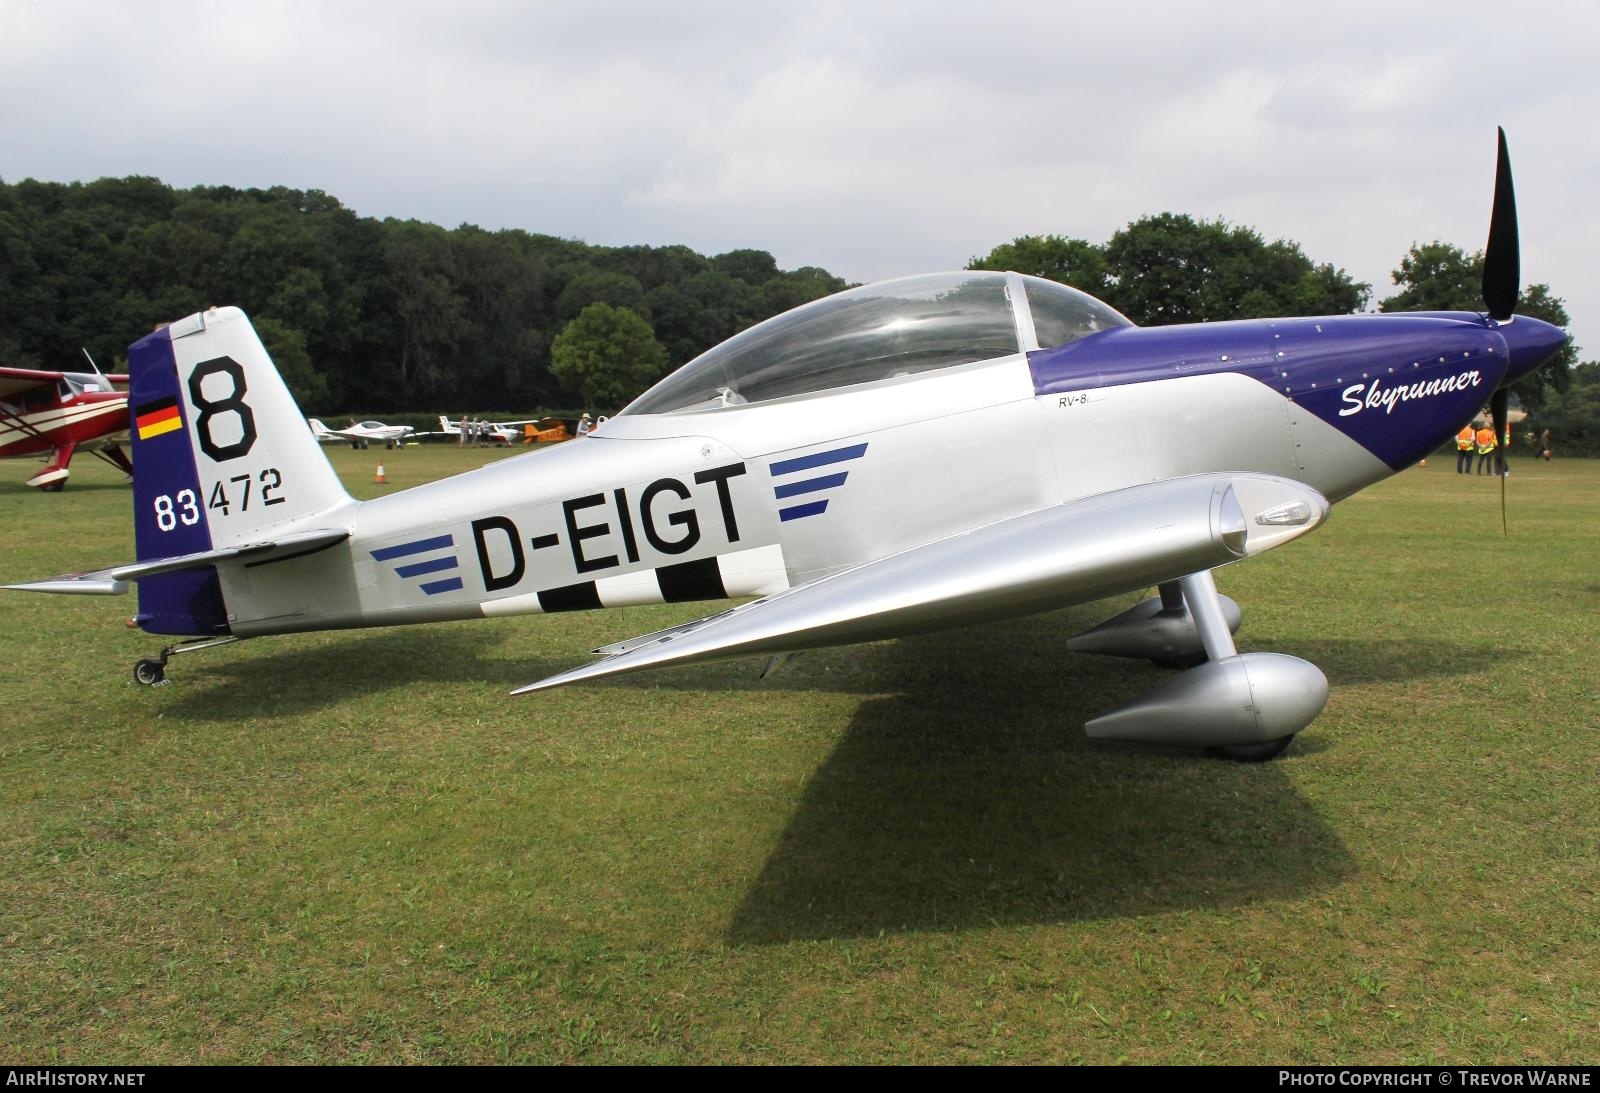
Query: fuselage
point(746, 499)
point(54, 418)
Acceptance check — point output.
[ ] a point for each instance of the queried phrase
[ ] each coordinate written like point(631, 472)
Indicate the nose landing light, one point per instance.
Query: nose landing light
point(1293, 514)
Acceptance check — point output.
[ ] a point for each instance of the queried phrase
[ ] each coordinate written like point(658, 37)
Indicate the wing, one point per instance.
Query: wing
point(1073, 553)
point(16, 380)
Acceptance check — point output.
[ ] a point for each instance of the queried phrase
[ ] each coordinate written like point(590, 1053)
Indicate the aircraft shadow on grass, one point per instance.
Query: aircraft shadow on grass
point(949, 805)
point(962, 792)
point(969, 796)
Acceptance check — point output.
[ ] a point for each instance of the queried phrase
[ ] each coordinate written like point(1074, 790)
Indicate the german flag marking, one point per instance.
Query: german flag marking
point(154, 418)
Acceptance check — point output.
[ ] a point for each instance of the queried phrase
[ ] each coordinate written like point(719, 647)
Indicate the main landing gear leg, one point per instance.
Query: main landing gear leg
point(152, 671)
point(1205, 605)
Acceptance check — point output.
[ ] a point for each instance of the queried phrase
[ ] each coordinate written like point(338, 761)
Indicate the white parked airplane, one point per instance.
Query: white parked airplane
point(497, 432)
point(362, 433)
point(925, 452)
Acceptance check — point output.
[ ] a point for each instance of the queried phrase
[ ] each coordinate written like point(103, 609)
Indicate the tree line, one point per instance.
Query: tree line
point(363, 314)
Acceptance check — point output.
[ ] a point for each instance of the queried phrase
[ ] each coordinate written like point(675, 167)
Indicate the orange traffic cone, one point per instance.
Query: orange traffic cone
point(380, 479)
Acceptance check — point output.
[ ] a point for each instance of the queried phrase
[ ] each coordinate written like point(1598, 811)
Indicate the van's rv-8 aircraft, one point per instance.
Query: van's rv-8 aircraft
point(920, 453)
point(58, 414)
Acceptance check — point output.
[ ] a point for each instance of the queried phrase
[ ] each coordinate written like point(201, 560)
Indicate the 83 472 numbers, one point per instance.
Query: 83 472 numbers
point(239, 492)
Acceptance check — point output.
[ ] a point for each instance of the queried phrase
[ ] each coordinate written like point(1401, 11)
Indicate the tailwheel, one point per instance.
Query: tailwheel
point(1251, 753)
point(54, 487)
point(152, 671)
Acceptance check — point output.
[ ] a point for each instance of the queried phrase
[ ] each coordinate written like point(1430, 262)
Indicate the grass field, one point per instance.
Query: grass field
point(356, 848)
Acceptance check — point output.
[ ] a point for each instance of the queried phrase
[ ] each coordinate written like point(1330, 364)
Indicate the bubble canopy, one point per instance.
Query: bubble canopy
point(878, 332)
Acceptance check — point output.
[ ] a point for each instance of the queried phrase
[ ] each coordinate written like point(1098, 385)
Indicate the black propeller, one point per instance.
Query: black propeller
point(1502, 262)
point(1502, 280)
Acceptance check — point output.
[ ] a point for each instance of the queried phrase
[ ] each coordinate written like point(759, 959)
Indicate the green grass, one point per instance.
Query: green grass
point(357, 848)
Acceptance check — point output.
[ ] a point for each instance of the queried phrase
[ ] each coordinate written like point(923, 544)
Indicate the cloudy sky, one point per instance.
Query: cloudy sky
point(871, 138)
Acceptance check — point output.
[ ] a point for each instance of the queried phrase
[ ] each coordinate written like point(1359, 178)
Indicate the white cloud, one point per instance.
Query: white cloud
point(873, 139)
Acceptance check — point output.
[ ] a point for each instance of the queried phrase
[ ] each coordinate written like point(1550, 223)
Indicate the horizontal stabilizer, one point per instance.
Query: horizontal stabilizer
point(112, 582)
point(1072, 553)
point(98, 583)
point(300, 542)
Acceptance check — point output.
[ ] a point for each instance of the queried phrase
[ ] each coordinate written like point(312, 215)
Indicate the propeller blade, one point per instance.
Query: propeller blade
point(1499, 407)
point(1502, 262)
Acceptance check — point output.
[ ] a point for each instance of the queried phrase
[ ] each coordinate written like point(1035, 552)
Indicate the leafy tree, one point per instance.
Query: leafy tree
point(1440, 276)
point(505, 283)
point(608, 355)
point(1572, 415)
point(431, 315)
point(1437, 276)
point(19, 278)
point(287, 347)
point(587, 285)
point(710, 307)
point(1175, 269)
point(682, 323)
point(1074, 262)
point(652, 266)
point(801, 286)
point(753, 267)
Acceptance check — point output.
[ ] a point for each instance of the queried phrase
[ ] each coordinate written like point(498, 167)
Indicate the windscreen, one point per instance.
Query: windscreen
point(1062, 314)
point(894, 328)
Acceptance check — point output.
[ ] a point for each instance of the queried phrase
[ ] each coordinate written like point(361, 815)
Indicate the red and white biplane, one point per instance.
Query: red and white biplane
point(56, 414)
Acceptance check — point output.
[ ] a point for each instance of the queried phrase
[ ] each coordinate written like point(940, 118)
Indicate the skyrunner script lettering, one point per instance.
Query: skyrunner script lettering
point(1388, 397)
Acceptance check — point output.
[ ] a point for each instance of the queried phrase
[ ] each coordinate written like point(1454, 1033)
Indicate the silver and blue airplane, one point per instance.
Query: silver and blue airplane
point(926, 452)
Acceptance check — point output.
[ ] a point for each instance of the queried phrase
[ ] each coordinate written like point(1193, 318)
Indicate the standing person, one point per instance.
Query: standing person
point(463, 430)
point(1464, 442)
point(1544, 445)
point(1485, 439)
point(584, 425)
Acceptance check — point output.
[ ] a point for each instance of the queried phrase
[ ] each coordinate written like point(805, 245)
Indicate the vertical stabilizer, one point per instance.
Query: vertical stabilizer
point(222, 456)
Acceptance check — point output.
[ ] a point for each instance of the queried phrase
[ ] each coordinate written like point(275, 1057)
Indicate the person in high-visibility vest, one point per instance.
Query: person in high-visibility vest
point(1486, 445)
point(1464, 444)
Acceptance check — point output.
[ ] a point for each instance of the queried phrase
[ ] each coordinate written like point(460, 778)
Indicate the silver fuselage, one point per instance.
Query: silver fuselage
point(748, 500)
